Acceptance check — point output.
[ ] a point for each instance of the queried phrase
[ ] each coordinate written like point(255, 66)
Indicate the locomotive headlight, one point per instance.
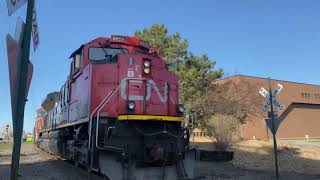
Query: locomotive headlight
point(131, 105)
point(181, 109)
point(146, 64)
point(146, 70)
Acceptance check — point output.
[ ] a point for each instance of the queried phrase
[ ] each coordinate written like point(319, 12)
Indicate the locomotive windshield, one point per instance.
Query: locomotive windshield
point(105, 54)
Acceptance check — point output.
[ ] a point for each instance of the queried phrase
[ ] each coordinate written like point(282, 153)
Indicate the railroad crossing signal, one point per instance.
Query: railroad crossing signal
point(14, 60)
point(14, 5)
point(267, 105)
point(273, 121)
point(275, 102)
point(35, 30)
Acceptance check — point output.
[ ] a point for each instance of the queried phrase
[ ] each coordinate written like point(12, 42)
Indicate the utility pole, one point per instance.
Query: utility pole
point(20, 92)
point(275, 150)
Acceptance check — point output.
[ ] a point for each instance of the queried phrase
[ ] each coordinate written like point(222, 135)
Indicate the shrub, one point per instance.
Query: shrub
point(222, 128)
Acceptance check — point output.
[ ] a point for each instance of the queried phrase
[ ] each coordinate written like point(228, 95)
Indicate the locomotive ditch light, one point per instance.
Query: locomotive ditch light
point(181, 108)
point(131, 105)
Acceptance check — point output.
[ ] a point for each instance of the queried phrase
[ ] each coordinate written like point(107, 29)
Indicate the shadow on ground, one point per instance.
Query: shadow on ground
point(48, 170)
point(247, 165)
point(258, 163)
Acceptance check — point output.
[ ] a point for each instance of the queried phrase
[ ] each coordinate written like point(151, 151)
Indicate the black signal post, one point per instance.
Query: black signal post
point(275, 150)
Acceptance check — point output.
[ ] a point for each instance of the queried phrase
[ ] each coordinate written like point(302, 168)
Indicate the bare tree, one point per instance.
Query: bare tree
point(246, 96)
point(224, 107)
point(222, 129)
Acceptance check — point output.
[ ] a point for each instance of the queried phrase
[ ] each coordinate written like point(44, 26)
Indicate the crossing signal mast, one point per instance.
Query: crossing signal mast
point(272, 121)
point(20, 71)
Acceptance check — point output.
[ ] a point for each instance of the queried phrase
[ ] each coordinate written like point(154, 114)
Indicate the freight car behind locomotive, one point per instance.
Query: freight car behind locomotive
point(118, 113)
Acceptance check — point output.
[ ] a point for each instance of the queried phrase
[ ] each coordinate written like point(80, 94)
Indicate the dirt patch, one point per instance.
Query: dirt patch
point(258, 155)
point(5, 147)
point(38, 165)
point(29, 154)
point(254, 160)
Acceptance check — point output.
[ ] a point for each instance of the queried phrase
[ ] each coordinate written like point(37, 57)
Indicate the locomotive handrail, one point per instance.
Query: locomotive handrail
point(99, 108)
point(90, 120)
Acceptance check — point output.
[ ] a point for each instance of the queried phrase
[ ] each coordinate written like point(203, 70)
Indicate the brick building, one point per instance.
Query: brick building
point(301, 114)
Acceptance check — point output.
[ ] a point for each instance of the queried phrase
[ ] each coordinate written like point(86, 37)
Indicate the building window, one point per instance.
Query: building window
point(310, 95)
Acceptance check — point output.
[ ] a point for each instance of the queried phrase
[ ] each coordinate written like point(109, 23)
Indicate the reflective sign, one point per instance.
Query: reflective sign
point(19, 30)
point(13, 51)
point(265, 107)
point(264, 93)
point(35, 30)
point(276, 123)
point(14, 5)
point(275, 92)
point(275, 102)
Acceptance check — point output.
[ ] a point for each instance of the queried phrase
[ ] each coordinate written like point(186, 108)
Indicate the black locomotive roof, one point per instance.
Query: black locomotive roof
point(76, 51)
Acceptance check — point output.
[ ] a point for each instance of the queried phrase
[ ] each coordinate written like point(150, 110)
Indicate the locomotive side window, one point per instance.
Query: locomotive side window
point(105, 55)
point(72, 67)
point(66, 94)
point(62, 96)
point(78, 61)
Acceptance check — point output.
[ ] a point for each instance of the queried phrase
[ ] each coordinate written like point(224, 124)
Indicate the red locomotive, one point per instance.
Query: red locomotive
point(118, 113)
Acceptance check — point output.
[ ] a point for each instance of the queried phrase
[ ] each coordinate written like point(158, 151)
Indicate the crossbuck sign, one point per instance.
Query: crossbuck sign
point(275, 102)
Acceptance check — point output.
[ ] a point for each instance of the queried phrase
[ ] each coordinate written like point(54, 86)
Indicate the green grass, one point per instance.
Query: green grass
point(29, 139)
point(5, 147)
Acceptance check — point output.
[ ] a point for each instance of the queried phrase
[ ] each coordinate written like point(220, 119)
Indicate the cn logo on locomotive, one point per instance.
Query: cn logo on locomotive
point(163, 98)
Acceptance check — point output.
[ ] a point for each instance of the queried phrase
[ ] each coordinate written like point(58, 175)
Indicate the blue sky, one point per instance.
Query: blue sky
point(277, 39)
